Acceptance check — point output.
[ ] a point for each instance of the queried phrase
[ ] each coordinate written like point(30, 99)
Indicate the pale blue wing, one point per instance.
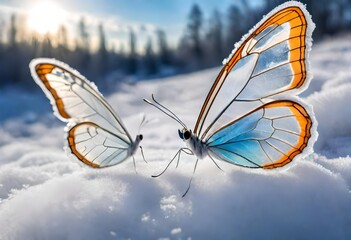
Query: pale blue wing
point(268, 137)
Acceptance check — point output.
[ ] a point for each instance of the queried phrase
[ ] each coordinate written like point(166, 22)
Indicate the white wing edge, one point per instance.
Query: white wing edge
point(34, 62)
point(310, 27)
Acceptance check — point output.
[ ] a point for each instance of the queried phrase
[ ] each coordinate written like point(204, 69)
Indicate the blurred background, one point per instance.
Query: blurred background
point(127, 40)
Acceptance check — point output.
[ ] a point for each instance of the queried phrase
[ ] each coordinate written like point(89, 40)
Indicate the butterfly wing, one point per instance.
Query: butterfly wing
point(268, 137)
point(95, 146)
point(76, 100)
point(270, 60)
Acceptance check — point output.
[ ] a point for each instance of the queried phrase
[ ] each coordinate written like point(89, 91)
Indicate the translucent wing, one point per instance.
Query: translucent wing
point(270, 60)
point(268, 137)
point(95, 146)
point(76, 100)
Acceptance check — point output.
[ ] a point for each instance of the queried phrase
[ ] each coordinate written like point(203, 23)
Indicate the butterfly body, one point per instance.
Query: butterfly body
point(134, 146)
point(198, 147)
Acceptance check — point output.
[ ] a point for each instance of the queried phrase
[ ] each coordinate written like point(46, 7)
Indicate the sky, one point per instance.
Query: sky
point(118, 16)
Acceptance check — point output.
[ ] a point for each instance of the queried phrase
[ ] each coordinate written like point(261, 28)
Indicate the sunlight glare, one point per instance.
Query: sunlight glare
point(45, 17)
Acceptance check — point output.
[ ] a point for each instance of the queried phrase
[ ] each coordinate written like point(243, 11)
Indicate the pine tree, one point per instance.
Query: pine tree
point(149, 59)
point(236, 26)
point(62, 36)
point(194, 28)
point(132, 57)
point(13, 31)
point(13, 51)
point(62, 47)
point(102, 51)
point(83, 46)
point(164, 52)
point(215, 39)
point(83, 36)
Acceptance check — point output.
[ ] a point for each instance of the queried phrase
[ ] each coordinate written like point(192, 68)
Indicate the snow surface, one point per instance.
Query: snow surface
point(45, 195)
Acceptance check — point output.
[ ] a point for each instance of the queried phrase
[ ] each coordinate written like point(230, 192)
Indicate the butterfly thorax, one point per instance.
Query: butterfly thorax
point(198, 147)
point(133, 147)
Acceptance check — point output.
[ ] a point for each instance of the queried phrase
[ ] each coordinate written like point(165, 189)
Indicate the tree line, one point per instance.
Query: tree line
point(204, 43)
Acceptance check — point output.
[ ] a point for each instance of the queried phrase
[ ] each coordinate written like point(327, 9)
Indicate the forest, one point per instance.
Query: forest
point(205, 41)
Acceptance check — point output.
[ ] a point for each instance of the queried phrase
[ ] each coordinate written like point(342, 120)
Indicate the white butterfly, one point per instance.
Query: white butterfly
point(251, 116)
point(95, 133)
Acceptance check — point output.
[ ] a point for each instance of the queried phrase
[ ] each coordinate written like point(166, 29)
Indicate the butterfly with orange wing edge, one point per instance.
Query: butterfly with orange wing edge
point(95, 133)
point(251, 116)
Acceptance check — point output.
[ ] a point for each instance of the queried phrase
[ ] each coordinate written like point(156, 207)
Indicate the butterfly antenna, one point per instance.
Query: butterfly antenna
point(143, 123)
point(164, 110)
point(153, 98)
point(191, 179)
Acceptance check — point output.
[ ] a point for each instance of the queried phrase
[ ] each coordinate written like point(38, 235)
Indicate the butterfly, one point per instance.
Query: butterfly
point(251, 116)
point(95, 133)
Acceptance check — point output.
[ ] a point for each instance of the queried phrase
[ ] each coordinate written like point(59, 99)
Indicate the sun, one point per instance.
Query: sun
point(45, 17)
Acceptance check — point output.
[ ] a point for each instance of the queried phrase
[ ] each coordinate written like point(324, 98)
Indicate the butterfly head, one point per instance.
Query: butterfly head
point(185, 134)
point(139, 137)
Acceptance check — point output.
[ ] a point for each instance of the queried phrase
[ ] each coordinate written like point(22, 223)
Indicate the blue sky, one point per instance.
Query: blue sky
point(169, 15)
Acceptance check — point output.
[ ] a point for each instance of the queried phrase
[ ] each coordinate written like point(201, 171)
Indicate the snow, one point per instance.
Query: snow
point(46, 195)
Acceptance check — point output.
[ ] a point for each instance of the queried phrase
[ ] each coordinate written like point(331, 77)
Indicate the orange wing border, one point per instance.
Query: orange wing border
point(72, 145)
point(42, 69)
point(305, 123)
point(300, 44)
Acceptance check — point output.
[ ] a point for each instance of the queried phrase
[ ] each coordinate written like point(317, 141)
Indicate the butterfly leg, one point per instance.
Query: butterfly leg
point(215, 163)
point(186, 151)
point(142, 154)
point(134, 165)
point(177, 155)
point(178, 152)
point(191, 179)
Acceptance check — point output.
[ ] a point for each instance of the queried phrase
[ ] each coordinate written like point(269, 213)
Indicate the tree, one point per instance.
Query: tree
point(102, 51)
point(82, 57)
point(2, 26)
point(194, 33)
point(46, 50)
point(164, 52)
point(62, 36)
point(83, 36)
point(236, 26)
point(215, 39)
point(132, 57)
point(149, 59)
point(102, 39)
point(13, 31)
point(13, 52)
point(62, 46)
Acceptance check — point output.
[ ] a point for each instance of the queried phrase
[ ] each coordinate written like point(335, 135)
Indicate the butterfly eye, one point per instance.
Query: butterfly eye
point(140, 137)
point(180, 134)
point(186, 135)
